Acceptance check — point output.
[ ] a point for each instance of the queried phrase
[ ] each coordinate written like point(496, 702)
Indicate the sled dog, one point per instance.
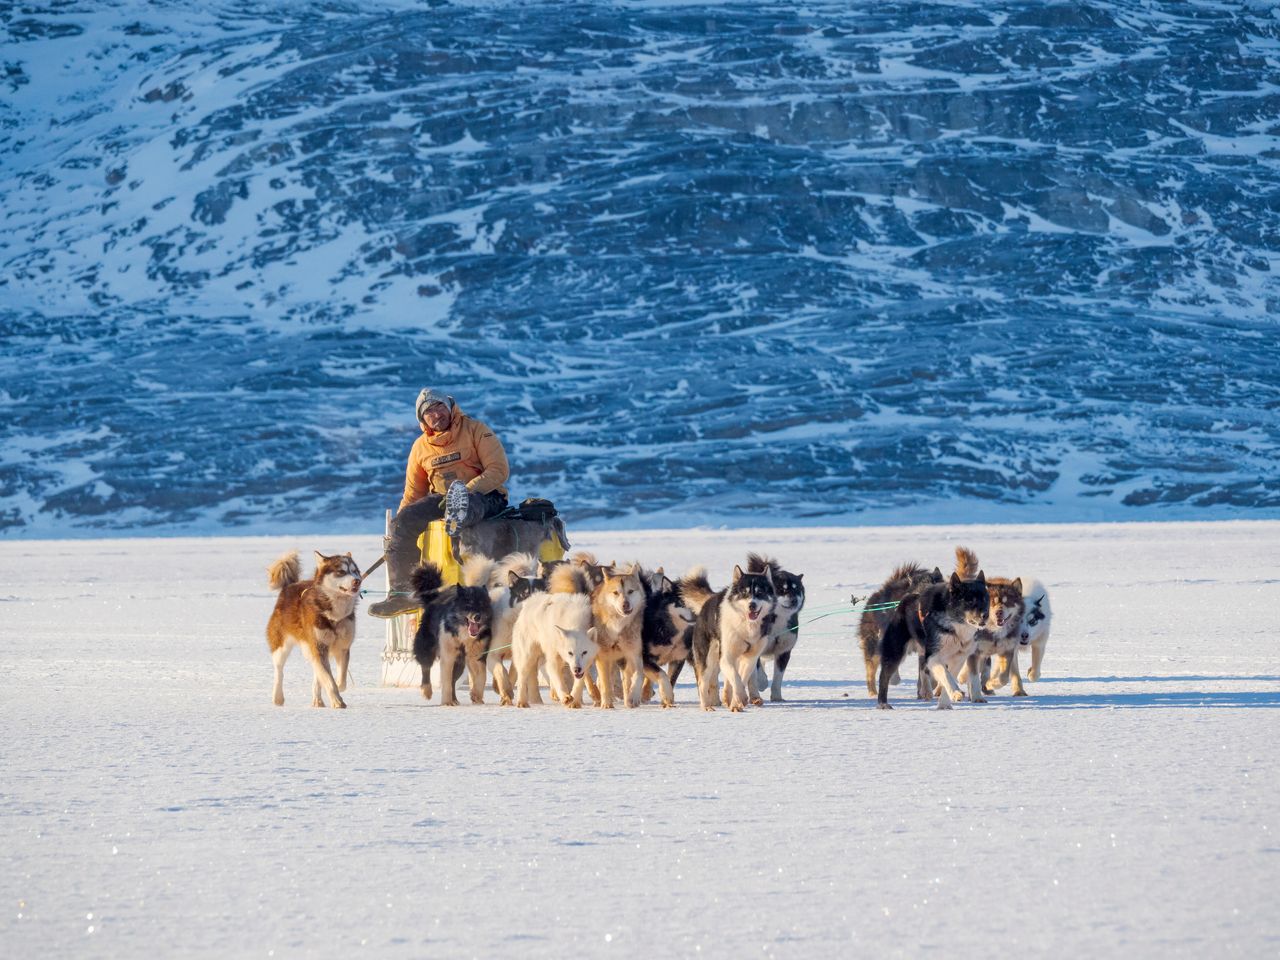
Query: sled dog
point(940, 619)
point(480, 571)
point(729, 633)
point(782, 628)
point(667, 633)
point(1000, 635)
point(617, 610)
point(454, 627)
point(1033, 636)
point(318, 615)
point(907, 579)
point(555, 629)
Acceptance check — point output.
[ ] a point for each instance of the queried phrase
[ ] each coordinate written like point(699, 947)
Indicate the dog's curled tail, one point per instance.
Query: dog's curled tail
point(568, 578)
point(477, 570)
point(426, 581)
point(585, 558)
point(966, 563)
point(759, 564)
point(286, 570)
point(695, 589)
point(520, 563)
point(906, 576)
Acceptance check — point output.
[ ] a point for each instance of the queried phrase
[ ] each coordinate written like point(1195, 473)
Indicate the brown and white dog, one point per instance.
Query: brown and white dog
point(318, 615)
point(999, 638)
point(617, 613)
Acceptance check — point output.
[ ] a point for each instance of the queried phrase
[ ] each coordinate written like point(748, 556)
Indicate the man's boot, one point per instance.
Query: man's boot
point(458, 509)
point(402, 557)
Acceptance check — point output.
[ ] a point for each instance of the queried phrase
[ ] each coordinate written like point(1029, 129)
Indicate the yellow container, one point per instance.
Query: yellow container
point(436, 547)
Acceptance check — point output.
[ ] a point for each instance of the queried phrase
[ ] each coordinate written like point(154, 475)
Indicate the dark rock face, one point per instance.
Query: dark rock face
point(735, 264)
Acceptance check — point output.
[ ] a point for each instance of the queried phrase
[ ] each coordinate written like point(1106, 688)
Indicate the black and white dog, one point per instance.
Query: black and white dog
point(729, 633)
point(454, 626)
point(941, 620)
point(906, 579)
point(667, 633)
point(782, 629)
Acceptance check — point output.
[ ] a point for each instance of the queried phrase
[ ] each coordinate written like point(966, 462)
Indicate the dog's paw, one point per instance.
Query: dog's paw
point(478, 697)
point(317, 702)
point(572, 704)
point(776, 698)
point(338, 704)
point(709, 708)
point(883, 706)
point(943, 705)
point(1033, 674)
point(757, 702)
point(668, 704)
point(736, 707)
point(506, 701)
point(1021, 693)
point(426, 691)
point(522, 704)
point(278, 699)
point(449, 703)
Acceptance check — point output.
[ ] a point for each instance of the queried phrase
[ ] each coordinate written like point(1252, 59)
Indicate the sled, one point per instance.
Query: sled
point(495, 537)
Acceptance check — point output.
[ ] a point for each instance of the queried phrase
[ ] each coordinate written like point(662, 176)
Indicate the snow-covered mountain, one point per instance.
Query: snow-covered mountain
point(733, 263)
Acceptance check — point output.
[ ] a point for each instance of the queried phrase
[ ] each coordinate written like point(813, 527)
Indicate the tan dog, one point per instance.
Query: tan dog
point(617, 610)
point(318, 615)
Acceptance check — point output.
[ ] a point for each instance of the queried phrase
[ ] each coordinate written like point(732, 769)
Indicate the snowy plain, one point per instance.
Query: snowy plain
point(155, 803)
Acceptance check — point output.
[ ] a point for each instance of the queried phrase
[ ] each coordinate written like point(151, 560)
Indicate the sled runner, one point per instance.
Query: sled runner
point(532, 527)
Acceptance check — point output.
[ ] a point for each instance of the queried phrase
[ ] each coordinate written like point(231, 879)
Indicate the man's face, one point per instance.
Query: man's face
point(436, 417)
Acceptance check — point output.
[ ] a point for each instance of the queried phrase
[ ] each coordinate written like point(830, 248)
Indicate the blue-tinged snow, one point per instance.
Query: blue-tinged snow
point(732, 264)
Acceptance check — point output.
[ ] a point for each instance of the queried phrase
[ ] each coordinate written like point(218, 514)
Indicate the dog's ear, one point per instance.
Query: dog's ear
point(737, 573)
point(563, 631)
point(320, 557)
point(798, 576)
point(1017, 585)
point(349, 554)
point(982, 577)
point(513, 578)
point(937, 575)
point(955, 581)
point(666, 584)
point(591, 632)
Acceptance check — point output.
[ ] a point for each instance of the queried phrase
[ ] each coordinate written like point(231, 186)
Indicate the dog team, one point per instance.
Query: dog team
point(618, 632)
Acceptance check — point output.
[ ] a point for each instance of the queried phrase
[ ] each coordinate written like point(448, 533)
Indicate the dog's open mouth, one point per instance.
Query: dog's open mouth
point(753, 613)
point(578, 673)
point(473, 628)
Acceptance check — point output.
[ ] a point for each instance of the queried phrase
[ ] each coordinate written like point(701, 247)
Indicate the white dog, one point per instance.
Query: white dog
point(555, 628)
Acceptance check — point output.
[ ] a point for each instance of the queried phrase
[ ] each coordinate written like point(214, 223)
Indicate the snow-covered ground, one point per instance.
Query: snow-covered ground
point(154, 802)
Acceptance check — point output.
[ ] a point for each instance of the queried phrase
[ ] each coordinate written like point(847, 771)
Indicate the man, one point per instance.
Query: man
point(456, 473)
